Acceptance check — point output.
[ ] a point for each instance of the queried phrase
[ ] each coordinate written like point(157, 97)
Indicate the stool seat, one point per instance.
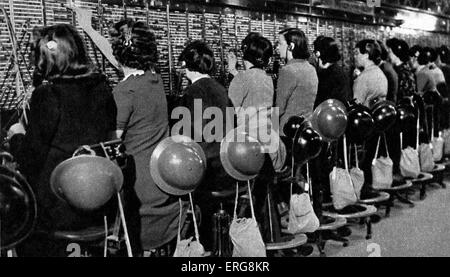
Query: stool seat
point(423, 177)
point(87, 235)
point(289, 242)
point(400, 187)
point(227, 193)
point(366, 211)
point(338, 222)
point(382, 196)
point(438, 168)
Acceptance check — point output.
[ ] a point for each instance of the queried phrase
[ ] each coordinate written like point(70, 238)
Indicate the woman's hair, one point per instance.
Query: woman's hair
point(259, 51)
point(134, 44)
point(328, 48)
point(399, 47)
point(298, 37)
point(198, 57)
point(444, 54)
point(59, 50)
point(427, 55)
point(415, 51)
point(246, 41)
point(371, 47)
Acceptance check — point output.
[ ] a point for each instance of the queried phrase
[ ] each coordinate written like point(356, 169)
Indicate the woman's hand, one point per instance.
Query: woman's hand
point(15, 129)
point(84, 17)
point(232, 62)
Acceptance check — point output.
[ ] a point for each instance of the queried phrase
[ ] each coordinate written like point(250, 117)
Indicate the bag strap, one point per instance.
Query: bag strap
point(344, 142)
point(385, 145)
point(401, 141)
point(356, 156)
point(417, 130)
point(378, 147)
point(197, 235)
point(237, 199)
point(179, 221)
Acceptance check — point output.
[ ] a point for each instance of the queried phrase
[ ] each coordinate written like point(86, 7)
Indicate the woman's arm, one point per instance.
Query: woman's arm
point(84, 18)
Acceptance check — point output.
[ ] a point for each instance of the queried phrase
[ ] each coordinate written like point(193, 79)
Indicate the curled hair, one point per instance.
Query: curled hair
point(399, 47)
point(259, 51)
point(246, 41)
point(444, 54)
point(427, 55)
point(300, 41)
point(371, 47)
point(198, 57)
point(134, 45)
point(415, 51)
point(328, 48)
point(59, 50)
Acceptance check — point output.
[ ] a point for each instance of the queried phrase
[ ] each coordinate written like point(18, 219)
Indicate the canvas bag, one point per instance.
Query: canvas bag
point(357, 176)
point(438, 147)
point(426, 157)
point(245, 234)
point(446, 138)
point(409, 161)
point(341, 185)
point(189, 248)
point(382, 169)
point(302, 218)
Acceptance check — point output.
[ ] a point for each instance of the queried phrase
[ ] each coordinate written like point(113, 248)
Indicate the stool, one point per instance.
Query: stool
point(86, 238)
point(221, 222)
point(326, 232)
point(438, 174)
point(382, 198)
point(363, 214)
point(423, 180)
point(394, 193)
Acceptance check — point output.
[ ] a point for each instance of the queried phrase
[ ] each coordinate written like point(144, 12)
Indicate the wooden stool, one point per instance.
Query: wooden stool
point(438, 174)
point(363, 216)
point(326, 232)
point(383, 198)
point(423, 180)
point(81, 242)
point(394, 193)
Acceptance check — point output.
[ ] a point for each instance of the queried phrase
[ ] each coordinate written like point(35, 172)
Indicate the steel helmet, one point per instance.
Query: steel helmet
point(329, 119)
point(178, 165)
point(18, 209)
point(86, 182)
point(242, 156)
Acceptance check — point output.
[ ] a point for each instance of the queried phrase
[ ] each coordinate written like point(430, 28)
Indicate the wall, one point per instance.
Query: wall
point(222, 27)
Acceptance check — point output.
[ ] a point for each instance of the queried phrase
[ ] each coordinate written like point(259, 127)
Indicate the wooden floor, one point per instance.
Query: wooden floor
point(422, 231)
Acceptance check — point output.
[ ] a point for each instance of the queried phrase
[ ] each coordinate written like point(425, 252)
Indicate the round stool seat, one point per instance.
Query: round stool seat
point(423, 177)
point(334, 225)
point(382, 197)
point(288, 242)
point(87, 235)
point(438, 168)
point(228, 193)
point(399, 187)
point(351, 212)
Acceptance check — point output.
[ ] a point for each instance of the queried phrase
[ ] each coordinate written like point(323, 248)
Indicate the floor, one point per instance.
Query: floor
point(421, 231)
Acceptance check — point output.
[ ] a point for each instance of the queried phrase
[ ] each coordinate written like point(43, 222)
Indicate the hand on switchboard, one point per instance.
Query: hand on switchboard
point(232, 63)
point(84, 16)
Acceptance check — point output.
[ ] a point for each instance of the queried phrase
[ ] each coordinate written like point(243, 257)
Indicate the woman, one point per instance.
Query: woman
point(371, 85)
point(391, 75)
point(198, 60)
point(297, 82)
point(142, 122)
point(75, 108)
point(333, 84)
point(252, 93)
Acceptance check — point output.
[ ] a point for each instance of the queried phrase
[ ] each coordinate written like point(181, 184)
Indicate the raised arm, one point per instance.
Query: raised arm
point(84, 18)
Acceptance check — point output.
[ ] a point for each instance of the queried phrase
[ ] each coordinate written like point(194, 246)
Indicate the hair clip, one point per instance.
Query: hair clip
point(51, 45)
